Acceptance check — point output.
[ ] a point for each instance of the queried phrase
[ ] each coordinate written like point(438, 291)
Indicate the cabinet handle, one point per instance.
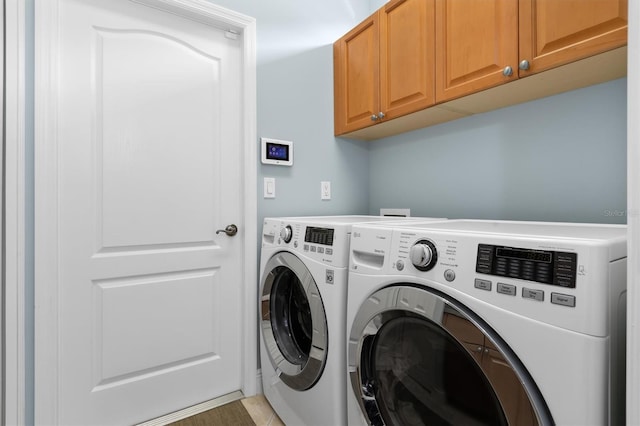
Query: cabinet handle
point(479, 349)
point(507, 71)
point(523, 65)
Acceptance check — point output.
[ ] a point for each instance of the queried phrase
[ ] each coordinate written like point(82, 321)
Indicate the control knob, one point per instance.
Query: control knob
point(423, 255)
point(286, 233)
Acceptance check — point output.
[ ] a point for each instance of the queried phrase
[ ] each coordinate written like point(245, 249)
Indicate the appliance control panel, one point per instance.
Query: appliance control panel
point(566, 280)
point(542, 266)
point(326, 244)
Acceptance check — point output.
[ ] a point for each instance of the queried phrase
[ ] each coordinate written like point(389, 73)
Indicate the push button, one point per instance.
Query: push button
point(508, 289)
point(482, 284)
point(528, 293)
point(563, 299)
point(449, 275)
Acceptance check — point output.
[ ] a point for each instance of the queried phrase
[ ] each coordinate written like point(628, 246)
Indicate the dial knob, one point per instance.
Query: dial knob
point(423, 255)
point(286, 233)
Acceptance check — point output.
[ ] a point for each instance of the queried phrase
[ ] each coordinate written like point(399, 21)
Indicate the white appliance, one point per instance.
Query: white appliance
point(486, 322)
point(303, 292)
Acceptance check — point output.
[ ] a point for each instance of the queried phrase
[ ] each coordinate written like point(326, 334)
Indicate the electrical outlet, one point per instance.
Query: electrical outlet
point(325, 190)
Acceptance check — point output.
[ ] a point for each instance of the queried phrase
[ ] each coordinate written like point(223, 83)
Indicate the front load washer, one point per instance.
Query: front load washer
point(304, 268)
point(486, 322)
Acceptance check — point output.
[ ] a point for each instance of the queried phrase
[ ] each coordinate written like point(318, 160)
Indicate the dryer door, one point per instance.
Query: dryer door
point(418, 357)
point(293, 321)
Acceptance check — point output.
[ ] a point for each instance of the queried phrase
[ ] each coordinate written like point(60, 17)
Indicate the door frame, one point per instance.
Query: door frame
point(47, 46)
point(633, 216)
point(14, 238)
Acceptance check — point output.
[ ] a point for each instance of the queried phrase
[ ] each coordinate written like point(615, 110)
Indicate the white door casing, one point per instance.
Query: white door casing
point(14, 215)
point(145, 123)
point(2, 255)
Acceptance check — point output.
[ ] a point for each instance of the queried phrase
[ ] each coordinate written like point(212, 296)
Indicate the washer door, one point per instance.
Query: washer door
point(418, 357)
point(294, 323)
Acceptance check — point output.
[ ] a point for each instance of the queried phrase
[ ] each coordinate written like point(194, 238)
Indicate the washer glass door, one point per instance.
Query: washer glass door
point(418, 358)
point(293, 321)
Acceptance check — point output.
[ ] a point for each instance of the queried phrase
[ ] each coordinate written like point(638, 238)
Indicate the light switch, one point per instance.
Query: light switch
point(325, 190)
point(269, 187)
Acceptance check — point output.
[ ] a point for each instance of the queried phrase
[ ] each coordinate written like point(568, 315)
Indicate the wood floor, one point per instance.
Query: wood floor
point(261, 412)
point(254, 411)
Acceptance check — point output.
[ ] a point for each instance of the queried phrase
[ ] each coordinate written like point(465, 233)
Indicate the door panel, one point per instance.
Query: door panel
point(553, 33)
point(356, 77)
point(149, 295)
point(130, 345)
point(475, 41)
point(147, 156)
point(407, 43)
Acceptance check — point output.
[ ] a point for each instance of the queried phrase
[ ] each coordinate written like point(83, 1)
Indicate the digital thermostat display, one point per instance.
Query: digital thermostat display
point(277, 152)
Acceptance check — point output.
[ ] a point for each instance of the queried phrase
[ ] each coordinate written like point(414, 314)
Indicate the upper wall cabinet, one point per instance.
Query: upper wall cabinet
point(476, 45)
point(383, 68)
point(480, 44)
point(416, 63)
point(556, 32)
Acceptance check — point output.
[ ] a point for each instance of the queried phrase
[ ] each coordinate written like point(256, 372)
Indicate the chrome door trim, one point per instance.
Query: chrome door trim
point(429, 304)
point(295, 376)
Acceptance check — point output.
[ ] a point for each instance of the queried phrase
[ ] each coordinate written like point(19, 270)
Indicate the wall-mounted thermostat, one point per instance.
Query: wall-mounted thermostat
point(277, 152)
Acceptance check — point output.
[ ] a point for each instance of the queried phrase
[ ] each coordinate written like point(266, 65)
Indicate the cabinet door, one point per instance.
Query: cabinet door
point(407, 42)
point(556, 32)
point(475, 41)
point(356, 77)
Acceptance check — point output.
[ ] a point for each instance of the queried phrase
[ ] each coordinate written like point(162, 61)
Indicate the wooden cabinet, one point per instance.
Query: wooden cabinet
point(481, 44)
point(503, 379)
point(475, 42)
point(383, 68)
point(416, 63)
point(555, 32)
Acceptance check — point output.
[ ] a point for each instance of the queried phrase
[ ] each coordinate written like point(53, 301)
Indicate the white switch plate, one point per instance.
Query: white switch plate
point(325, 190)
point(269, 187)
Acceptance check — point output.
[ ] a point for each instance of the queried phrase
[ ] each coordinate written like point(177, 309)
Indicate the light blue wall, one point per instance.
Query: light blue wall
point(376, 4)
point(561, 158)
point(295, 102)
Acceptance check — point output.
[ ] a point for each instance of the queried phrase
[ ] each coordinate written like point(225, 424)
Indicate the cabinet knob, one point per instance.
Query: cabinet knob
point(507, 71)
point(381, 115)
point(523, 65)
point(374, 117)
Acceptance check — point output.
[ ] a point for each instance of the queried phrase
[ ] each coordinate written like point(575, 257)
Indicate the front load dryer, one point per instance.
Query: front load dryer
point(304, 268)
point(487, 322)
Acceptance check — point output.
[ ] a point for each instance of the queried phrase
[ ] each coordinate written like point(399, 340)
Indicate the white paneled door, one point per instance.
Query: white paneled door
point(147, 169)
